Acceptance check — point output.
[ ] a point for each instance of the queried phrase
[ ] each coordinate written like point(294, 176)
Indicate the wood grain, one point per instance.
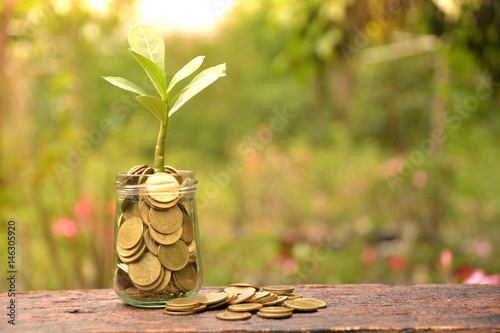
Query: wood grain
point(350, 308)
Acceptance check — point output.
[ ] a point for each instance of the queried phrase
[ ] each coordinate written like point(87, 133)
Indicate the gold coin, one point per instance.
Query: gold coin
point(147, 171)
point(150, 243)
point(242, 307)
point(186, 278)
point(134, 257)
point(174, 257)
point(187, 229)
point(200, 307)
point(267, 299)
point(258, 296)
point(126, 203)
point(279, 289)
point(277, 301)
point(169, 169)
point(166, 221)
point(243, 297)
point(128, 252)
point(183, 302)
point(242, 284)
point(145, 271)
point(212, 298)
point(160, 205)
point(274, 315)
point(136, 168)
point(305, 304)
point(292, 296)
point(166, 279)
point(145, 209)
point(192, 248)
point(171, 288)
point(162, 187)
point(120, 220)
point(165, 239)
point(228, 315)
point(239, 290)
point(130, 233)
point(276, 309)
point(179, 313)
point(216, 305)
point(154, 284)
point(132, 211)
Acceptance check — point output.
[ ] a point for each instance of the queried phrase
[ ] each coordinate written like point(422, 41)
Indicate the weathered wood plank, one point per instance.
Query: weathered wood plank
point(350, 308)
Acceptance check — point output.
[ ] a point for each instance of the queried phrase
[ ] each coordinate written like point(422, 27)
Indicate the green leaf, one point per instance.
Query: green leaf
point(124, 84)
point(200, 82)
point(187, 70)
point(154, 72)
point(149, 43)
point(155, 105)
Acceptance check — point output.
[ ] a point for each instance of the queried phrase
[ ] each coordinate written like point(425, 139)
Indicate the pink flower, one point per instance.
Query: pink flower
point(446, 259)
point(396, 262)
point(65, 227)
point(84, 209)
point(111, 208)
point(369, 256)
point(478, 276)
point(84, 213)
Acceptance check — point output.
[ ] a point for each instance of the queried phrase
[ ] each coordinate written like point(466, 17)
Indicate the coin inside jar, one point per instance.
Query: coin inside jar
point(162, 187)
point(130, 233)
point(146, 270)
point(174, 257)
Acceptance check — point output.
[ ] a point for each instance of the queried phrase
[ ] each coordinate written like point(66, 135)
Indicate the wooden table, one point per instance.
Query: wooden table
point(350, 308)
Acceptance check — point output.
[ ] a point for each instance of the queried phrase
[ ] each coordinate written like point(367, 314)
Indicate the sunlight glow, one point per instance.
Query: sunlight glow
point(186, 15)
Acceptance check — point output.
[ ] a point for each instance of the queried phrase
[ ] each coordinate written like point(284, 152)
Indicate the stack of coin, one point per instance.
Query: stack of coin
point(242, 299)
point(156, 245)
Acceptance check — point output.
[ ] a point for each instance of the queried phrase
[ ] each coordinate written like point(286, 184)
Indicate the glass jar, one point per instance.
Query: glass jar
point(155, 248)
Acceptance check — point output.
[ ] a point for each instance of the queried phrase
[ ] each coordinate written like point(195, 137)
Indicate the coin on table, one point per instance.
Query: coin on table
point(239, 290)
point(151, 244)
point(212, 298)
point(178, 313)
point(186, 278)
point(130, 233)
point(243, 307)
point(183, 302)
point(279, 289)
point(258, 296)
point(165, 239)
point(279, 299)
point(243, 297)
point(174, 257)
point(162, 187)
point(278, 315)
point(228, 315)
point(244, 285)
point(146, 270)
point(305, 304)
point(276, 309)
point(166, 221)
point(292, 296)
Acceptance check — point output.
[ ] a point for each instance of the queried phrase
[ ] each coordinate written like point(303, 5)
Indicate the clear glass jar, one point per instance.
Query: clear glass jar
point(155, 248)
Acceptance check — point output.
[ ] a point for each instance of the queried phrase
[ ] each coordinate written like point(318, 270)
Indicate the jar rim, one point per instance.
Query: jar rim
point(129, 183)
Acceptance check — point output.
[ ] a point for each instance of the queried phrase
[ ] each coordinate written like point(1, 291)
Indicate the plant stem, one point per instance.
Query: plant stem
point(160, 148)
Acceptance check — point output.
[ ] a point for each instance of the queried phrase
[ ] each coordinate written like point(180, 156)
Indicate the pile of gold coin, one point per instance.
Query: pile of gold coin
point(156, 244)
point(241, 299)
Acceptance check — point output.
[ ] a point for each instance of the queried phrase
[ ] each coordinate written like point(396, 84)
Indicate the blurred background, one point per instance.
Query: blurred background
point(351, 141)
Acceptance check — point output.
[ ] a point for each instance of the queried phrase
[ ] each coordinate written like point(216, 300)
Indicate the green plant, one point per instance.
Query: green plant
point(148, 48)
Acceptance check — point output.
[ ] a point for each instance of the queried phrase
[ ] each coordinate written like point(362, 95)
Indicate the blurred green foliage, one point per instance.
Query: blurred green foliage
point(352, 141)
